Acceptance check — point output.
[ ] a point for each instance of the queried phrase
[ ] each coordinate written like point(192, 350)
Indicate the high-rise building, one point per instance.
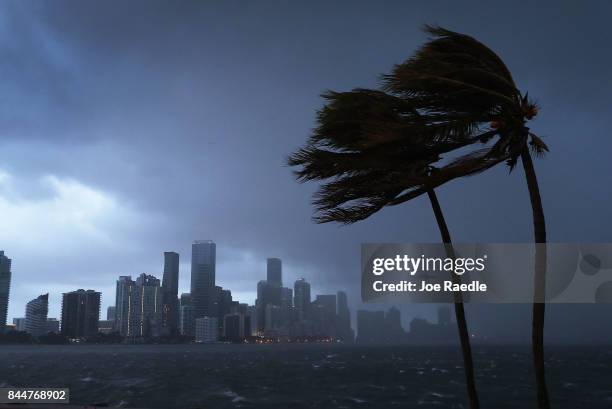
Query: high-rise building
point(111, 313)
point(203, 262)
point(5, 286)
point(301, 298)
point(185, 299)
point(236, 327)
point(223, 302)
point(19, 324)
point(53, 326)
point(36, 315)
point(343, 324)
point(286, 297)
point(207, 329)
point(170, 304)
point(148, 306)
point(324, 309)
point(275, 272)
point(252, 313)
point(268, 295)
point(273, 319)
point(138, 306)
point(288, 312)
point(125, 306)
point(80, 313)
point(187, 321)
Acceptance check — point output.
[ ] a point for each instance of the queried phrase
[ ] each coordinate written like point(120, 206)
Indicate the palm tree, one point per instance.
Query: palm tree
point(466, 89)
point(365, 146)
point(378, 148)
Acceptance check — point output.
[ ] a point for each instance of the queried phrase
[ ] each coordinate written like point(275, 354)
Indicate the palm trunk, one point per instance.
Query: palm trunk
point(459, 310)
point(539, 226)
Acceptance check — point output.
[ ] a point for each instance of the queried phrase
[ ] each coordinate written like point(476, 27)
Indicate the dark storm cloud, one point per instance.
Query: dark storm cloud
point(183, 113)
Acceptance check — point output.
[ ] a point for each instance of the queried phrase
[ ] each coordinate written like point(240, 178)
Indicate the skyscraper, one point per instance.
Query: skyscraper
point(19, 324)
point(207, 329)
point(148, 306)
point(301, 298)
point(268, 295)
point(170, 305)
point(394, 331)
point(275, 272)
point(125, 313)
point(223, 303)
point(80, 313)
point(52, 325)
point(185, 299)
point(286, 297)
point(343, 325)
point(236, 327)
point(325, 314)
point(138, 309)
point(186, 320)
point(36, 315)
point(203, 261)
point(111, 312)
point(5, 285)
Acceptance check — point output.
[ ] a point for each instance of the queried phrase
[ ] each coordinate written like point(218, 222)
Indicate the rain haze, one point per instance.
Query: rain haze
point(132, 128)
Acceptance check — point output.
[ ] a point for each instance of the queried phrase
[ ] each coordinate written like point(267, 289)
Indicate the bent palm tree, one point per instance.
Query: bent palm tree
point(463, 87)
point(366, 145)
point(379, 149)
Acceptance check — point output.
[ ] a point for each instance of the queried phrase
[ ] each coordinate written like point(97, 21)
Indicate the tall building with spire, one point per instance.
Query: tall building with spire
point(170, 303)
point(36, 315)
point(203, 265)
point(5, 286)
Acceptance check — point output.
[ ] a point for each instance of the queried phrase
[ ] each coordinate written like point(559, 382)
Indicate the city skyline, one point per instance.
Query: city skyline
point(109, 291)
point(106, 161)
point(147, 293)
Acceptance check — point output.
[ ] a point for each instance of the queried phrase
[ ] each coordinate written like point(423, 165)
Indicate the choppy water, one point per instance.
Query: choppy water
point(305, 376)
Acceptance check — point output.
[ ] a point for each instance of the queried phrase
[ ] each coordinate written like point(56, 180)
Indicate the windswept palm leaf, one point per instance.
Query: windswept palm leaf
point(375, 148)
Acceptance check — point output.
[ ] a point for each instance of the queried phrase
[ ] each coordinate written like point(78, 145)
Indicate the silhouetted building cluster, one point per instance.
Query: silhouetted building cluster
point(278, 311)
point(147, 307)
point(285, 312)
point(380, 327)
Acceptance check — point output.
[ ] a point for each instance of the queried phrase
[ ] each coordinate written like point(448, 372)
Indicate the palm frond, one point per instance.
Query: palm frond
point(376, 148)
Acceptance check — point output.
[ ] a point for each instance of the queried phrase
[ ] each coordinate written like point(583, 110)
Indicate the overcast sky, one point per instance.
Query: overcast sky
point(132, 128)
